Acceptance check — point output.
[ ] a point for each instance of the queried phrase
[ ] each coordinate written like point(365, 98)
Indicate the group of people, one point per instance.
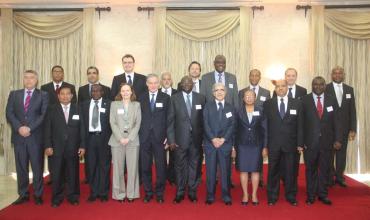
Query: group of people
point(142, 120)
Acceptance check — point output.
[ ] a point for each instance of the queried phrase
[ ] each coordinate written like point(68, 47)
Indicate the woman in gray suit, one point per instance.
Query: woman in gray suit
point(125, 119)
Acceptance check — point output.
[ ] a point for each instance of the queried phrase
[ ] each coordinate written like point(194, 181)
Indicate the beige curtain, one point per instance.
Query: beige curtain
point(343, 38)
point(183, 36)
point(39, 41)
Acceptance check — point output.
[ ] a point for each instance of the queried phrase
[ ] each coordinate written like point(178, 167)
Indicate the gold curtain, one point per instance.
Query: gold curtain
point(182, 37)
point(39, 41)
point(335, 42)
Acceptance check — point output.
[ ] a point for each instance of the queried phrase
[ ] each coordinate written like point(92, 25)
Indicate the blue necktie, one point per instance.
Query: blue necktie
point(282, 108)
point(152, 103)
point(220, 78)
point(220, 110)
point(188, 105)
point(290, 94)
point(129, 80)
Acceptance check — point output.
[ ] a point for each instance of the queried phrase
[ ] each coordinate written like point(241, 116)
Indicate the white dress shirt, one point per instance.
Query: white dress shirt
point(196, 85)
point(321, 99)
point(223, 103)
point(285, 100)
point(256, 89)
point(338, 88)
point(131, 75)
point(92, 105)
point(168, 91)
point(25, 94)
point(55, 85)
point(293, 90)
point(222, 77)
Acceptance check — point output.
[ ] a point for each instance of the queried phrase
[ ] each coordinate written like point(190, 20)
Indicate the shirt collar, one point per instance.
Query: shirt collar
point(155, 93)
point(252, 86)
point(26, 90)
point(168, 89)
point(321, 96)
point(338, 84)
point(68, 106)
point(293, 87)
point(216, 73)
point(99, 100)
point(223, 102)
point(185, 94)
point(55, 84)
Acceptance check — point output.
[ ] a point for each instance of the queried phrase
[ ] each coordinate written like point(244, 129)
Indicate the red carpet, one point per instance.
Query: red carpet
point(351, 203)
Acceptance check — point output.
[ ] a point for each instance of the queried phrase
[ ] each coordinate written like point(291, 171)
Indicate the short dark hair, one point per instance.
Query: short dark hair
point(128, 56)
point(65, 87)
point(57, 66)
point(195, 62)
point(92, 67)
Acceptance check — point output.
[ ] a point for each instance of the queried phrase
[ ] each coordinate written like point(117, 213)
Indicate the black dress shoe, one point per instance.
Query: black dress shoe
point(55, 204)
point(209, 202)
point(21, 200)
point(193, 199)
point(104, 198)
point(341, 183)
point(178, 199)
point(310, 201)
point(130, 200)
point(160, 199)
point(147, 198)
point(255, 203)
point(271, 203)
point(91, 198)
point(244, 203)
point(74, 201)
point(38, 200)
point(293, 202)
point(228, 203)
point(325, 201)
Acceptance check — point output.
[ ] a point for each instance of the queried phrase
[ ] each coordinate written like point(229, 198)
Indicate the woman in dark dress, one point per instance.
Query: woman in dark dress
point(251, 140)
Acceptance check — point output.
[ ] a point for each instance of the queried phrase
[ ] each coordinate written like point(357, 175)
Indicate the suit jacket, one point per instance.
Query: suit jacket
point(84, 93)
point(173, 91)
point(347, 110)
point(116, 119)
point(33, 118)
point(155, 121)
point(253, 133)
point(262, 96)
point(231, 86)
point(284, 134)
point(213, 128)
point(321, 132)
point(181, 128)
point(139, 84)
point(299, 92)
point(106, 131)
point(64, 138)
point(53, 97)
point(179, 88)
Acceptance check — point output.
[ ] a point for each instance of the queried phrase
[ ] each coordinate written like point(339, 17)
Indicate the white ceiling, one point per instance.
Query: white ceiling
point(75, 3)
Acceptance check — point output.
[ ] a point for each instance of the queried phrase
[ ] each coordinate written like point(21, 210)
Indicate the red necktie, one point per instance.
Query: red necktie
point(27, 102)
point(57, 89)
point(319, 107)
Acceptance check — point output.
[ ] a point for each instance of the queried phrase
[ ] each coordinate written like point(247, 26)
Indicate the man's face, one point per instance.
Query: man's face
point(96, 92)
point(65, 96)
point(220, 64)
point(187, 84)
point(57, 74)
point(128, 64)
point(318, 86)
point(291, 77)
point(166, 81)
point(254, 78)
point(29, 80)
point(194, 71)
point(153, 84)
point(219, 93)
point(337, 76)
point(281, 88)
point(92, 76)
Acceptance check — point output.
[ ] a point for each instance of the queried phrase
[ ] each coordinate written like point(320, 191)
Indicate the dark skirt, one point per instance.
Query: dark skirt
point(249, 158)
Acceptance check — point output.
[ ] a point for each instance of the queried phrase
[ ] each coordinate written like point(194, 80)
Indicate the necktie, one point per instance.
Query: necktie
point(90, 90)
point(290, 94)
point(95, 115)
point(220, 110)
point(166, 91)
point(152, 103)
point(188, 104)
point(195, 87)
point(282, 108)
point(129, 80)
point(219, 77)
point(339, 94)
point(319, 107)
point(57, 89)
point(27, 101)
point(66, 113)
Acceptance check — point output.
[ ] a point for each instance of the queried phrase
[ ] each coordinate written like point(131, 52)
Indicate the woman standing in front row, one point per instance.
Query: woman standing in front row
point(251, 141)
point(125, 119)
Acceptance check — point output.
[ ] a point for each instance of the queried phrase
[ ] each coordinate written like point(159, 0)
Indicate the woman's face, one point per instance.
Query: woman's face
point(249, 97)
point(126, 92)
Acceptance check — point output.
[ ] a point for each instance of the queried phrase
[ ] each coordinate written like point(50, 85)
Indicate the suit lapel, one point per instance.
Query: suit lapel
point(312, 103)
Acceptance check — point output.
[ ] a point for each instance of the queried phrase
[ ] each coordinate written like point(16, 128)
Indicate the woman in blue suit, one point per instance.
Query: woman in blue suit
point(251, 141)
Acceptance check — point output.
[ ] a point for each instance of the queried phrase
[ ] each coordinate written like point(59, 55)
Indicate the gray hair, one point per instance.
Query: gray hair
point(166, 73)
point(216, 85)
point(33, 72)
point(152, 75)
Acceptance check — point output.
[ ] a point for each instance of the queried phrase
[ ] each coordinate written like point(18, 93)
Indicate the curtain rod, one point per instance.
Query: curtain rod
point(202, 8)
point(99, 9)
point(346, 6)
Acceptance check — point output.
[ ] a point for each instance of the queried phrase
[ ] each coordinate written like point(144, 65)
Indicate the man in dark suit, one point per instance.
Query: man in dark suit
point(285, 128)
point(52, 88)
point(25, 111)
point(219, 128)
point(84, 94)
point(322, 133)
point(137, 80)
point(185, 136)
point(95, 113)
point(345, 102)
point(166, 87)
point(152, 135)
point(194, 70)
point(64, 140)
point(262, 95)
